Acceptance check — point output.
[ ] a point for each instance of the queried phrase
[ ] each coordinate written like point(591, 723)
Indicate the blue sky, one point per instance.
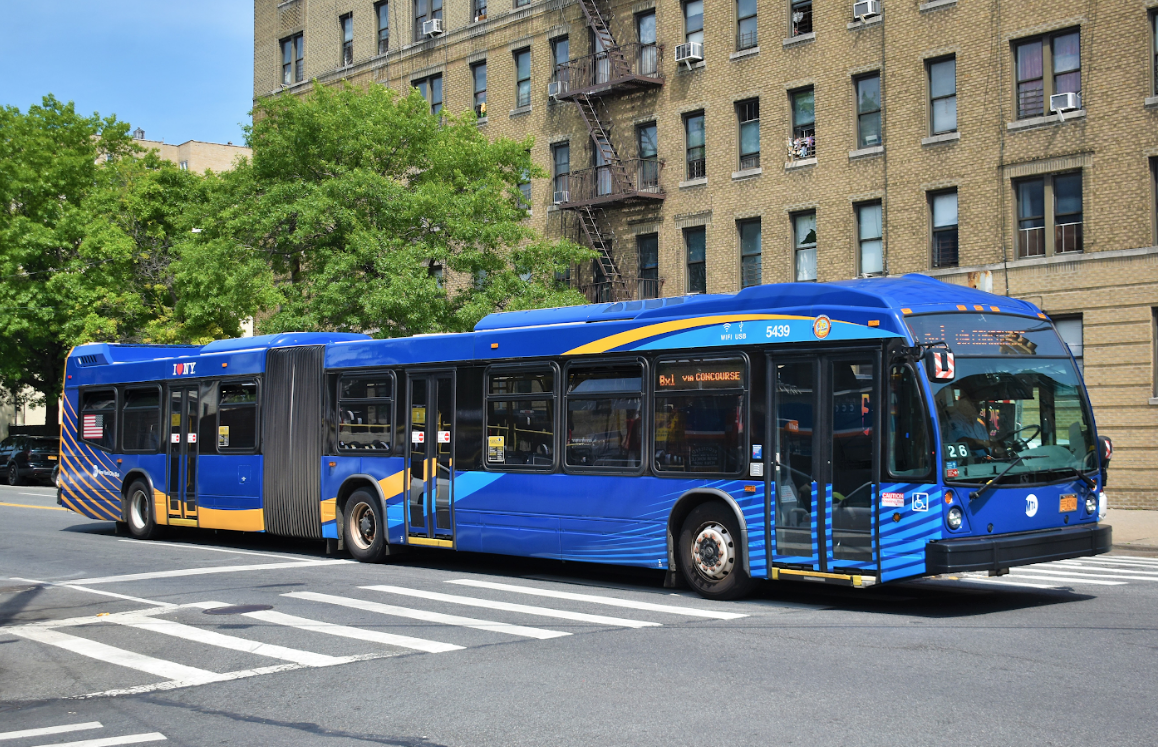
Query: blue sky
point(180, 70)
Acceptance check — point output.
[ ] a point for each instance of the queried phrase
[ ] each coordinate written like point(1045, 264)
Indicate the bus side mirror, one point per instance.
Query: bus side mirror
point(1106, 447)
point(939, 365)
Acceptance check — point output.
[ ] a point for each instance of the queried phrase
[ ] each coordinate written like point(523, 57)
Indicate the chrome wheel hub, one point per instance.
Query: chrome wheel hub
point(139, 510)
point(713, 552)
point(365, 528)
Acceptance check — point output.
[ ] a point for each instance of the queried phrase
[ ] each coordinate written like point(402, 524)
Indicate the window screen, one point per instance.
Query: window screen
point(521, 419)
point(98, 417)
point(142, 419)
point(604, 417)
point(237, 416)
point(699, 415)
point(365, 407)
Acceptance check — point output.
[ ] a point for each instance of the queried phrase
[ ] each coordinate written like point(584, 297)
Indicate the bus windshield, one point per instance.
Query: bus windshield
point(999, 409)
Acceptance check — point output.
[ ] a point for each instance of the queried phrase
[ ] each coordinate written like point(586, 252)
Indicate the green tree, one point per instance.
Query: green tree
point(362, 212)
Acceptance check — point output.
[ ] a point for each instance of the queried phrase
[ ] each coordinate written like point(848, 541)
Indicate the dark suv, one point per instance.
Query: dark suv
point(28, 458)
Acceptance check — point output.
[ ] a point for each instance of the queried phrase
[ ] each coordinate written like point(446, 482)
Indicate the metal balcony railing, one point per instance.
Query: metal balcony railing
point(625, 67)
point(1067, 237)
point(1031, 242)
point(602, 290)
point(632, 179)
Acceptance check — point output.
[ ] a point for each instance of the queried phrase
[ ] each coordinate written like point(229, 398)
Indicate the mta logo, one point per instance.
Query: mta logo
point(183, 369)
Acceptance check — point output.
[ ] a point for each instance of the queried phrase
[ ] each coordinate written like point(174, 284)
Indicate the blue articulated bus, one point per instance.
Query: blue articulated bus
point(856, 432)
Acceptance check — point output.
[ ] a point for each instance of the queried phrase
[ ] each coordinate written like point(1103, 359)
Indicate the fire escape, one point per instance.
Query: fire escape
point(611, 70)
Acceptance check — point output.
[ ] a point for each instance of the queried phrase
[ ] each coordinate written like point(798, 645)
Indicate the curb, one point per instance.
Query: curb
point(1148, 551)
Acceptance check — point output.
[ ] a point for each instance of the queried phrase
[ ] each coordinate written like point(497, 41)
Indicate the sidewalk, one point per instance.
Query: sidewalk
point(1134, 530)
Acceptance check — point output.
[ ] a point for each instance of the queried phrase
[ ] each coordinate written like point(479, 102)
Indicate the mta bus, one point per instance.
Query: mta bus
point(854, 433)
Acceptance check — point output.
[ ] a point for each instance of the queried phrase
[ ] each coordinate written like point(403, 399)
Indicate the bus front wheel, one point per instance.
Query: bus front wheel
point(365, 529)
point(142, 523)
point(711, 554)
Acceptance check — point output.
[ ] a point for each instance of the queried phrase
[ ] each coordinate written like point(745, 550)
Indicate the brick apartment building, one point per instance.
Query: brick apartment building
point(195, 155)
point(707, 145)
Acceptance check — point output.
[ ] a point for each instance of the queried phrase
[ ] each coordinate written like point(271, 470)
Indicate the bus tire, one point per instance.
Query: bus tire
point(365, 529)
point(711, 554)
point(139, 510)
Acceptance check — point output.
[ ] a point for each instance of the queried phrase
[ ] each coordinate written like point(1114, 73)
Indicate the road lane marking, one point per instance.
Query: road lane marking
point(1141, 569)
point(346, 631)
point(511, 607)
point(155, 736)
point(27, 505)
point(113, 655)
point(1076, 574)
point(67, 585)
point(1003, 582)
point(44, 731)
point(202, 571)
point(426, 616)
point(185, 546)
point(1137, 562)
point(1051, 576)
point(595, 599)
point(213, 638)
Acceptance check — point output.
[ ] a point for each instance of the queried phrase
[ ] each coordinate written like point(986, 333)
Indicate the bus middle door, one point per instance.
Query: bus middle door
point(429, 459)
point(182, 482)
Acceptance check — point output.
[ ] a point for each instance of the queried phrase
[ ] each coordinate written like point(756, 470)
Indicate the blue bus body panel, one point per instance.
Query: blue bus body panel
point(229, 482)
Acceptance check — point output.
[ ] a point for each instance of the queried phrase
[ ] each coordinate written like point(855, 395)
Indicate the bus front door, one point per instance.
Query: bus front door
point(430, 459)
point(824, 449)
point(182, 482)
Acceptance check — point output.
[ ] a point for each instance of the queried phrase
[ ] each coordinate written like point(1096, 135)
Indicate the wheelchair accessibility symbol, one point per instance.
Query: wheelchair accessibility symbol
point(920, 501)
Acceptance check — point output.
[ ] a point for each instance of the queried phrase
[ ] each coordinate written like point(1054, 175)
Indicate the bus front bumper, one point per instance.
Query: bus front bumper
point(1009, 550)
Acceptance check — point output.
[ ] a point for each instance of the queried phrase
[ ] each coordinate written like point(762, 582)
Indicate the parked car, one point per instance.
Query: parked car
point(28, 458)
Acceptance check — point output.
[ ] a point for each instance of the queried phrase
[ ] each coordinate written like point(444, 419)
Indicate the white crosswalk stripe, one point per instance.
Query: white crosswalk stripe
point(428, 616)
point(155, 736)
point(512, 607)
point(596, 599)
point(345, 631)
point(1102, 570)
point(48, 730)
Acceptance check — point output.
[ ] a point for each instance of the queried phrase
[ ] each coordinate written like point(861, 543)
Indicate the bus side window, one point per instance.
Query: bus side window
point(908, 447)
point(699, 415)
point(237, 416)
point(141, 419)
point(605, 416)
point(365, 409)
point(98, 418)
point(520, 419)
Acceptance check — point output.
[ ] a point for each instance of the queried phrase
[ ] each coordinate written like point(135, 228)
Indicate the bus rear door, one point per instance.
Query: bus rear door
point(429, 459)
point(182, 482)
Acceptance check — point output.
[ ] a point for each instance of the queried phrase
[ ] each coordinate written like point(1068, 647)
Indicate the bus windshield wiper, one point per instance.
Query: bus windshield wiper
point(977, 493)
point(1089, 483)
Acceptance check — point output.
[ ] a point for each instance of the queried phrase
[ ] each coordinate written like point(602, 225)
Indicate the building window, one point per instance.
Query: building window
point(521, 419)
point(522, 78)
point(804, 246)
point(648, 158)
point(365, 407)
point(696, 239)
point(382, 11)
point(560, 56)
point(184, 165)
point(648, 51)
point(1154, 45)
point(694, 21)
point(801, 17)
point(943, 96)
point(521, 3)
point(803, 123)
point(745, 24)
point(748, 114)
point(561, 158)
point(293, 52)
point(868, 111)
point(524, 198)
point(346, 25)
point(943, 210)
point(750, 269)
point(435, 271)
point(1061, 55)
point(694, 139)
point(1049, 215)
point(480, 9)
point(425, 10)
point(1154, 196)
point(647, 246)
point(869, 234)
point(478, 72)
point(431, 90)
point(1070, 331)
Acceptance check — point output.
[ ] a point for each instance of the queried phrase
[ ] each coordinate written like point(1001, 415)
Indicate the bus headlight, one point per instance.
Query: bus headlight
point(1102, 505)
point(1091, 504)
point(954, 518)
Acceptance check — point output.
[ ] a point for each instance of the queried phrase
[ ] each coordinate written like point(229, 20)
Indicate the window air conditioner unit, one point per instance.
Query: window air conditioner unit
point(555, 90)
point(433, 27)
point(1065, 102)
point(561, 197)
point(689, 53)
point(866, 8)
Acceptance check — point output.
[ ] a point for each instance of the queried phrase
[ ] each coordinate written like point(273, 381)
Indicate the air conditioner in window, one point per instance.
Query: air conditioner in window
point(866, 9)
point(433, 27)
point(561, 197)
point(689, 53)
point(1065, 102)
point(556, 89)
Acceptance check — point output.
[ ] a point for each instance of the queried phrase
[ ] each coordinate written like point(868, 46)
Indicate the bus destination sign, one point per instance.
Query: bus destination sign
point(727, 373)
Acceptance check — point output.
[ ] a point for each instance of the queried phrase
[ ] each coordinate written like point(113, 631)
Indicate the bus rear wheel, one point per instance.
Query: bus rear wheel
point(365, 529)
point(711, 554)
point(142, 522)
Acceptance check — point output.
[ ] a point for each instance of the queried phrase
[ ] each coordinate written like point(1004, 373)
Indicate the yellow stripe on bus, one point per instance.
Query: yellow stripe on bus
point(635, 335)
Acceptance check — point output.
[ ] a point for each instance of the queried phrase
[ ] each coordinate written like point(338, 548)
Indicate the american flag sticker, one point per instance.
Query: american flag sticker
point(94, 426)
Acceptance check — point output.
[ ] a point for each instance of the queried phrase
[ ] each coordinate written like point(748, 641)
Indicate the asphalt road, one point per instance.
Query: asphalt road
point(105, 640)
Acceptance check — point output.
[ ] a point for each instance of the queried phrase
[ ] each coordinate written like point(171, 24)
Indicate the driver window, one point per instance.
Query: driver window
point(908, 426)
point(365, 406)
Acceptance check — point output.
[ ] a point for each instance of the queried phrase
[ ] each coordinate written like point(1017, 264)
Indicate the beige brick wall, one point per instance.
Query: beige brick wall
point(1111, 144)
point(199, 156)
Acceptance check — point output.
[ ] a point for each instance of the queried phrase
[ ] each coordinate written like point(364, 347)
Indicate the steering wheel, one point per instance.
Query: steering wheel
point(1018, 443)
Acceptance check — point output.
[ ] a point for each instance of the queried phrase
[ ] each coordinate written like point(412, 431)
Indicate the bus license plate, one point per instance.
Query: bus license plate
point(1068, 503)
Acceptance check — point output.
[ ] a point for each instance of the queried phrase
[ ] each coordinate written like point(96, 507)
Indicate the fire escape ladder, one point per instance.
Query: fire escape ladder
point(601, 137)
point(592, 220)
